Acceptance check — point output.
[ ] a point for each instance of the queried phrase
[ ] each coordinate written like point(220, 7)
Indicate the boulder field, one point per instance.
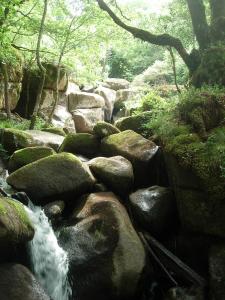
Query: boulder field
point(102, 191)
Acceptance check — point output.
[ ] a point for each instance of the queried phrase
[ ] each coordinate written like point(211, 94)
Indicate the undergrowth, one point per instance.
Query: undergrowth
point(177, 123)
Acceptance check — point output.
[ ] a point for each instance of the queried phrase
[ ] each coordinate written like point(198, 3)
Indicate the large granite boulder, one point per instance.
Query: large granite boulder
point(86, 118)
point(117, 83)
point(138, 150)
point(18, 283)
point(109, 96)
point(104, 129)
point(136, 123)
point(81, 143)
point(115, 172)
point(84, 100)
point(28, 155)
point(58, 174)
point(155, 209)
point(15, 224)
point(62, 118)
point(14, 139)
point(107, 258)
point(48, 139)
point(15, 75)
point(51, 78)
point(201, 206)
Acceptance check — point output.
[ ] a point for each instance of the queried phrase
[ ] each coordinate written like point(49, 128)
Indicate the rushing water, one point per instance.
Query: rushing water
point(49, 260)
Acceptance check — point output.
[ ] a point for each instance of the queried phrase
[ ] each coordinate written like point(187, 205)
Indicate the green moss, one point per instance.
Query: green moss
point(21, 212)
point(14, 139)
point(104, 129)
point(28, 155)
point(80, 143)
point(55, 130)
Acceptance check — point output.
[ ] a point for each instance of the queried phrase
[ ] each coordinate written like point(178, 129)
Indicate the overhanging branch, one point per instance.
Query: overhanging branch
point(144, 35)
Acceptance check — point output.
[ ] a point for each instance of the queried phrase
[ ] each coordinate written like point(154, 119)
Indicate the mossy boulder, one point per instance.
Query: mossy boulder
point(14, 139)
point(51, 77)
point(104, 129)
point(15, 225)
point(115, 172)
point(55, 130)
point(81, 143)
point(28, 155)
point(59, 174)
point(134, 147)
point(136, 123)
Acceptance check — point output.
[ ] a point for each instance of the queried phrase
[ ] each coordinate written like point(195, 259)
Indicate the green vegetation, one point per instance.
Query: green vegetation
point(179, 128)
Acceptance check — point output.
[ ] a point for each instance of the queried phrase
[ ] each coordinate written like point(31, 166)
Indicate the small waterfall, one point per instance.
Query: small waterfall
point(49, 261)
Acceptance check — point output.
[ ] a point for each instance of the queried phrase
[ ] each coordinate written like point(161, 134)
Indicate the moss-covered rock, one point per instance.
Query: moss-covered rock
point(211, 70)
point(138, 150)
point(115, 172)
point(58, 174)
point(55, 130)
point(28, 155)
point(14, 139)
point(81, 143)
point(15, 225)
point(136, 123)
point(104, 129)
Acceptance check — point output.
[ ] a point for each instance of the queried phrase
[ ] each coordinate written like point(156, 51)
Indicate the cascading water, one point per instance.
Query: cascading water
point(49, 260)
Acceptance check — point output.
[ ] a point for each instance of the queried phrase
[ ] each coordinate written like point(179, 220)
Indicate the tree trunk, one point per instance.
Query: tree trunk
point(199, 22)
point(41, 68)
point(217, 9)
point(58, 71)
point(6, 90)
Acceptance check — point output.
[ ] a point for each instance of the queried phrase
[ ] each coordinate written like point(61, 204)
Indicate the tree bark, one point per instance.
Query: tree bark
point(161, 40)
point(6, 90)
point(40, 66)
point(217, 9)
point(199, 22)
point(58, 71)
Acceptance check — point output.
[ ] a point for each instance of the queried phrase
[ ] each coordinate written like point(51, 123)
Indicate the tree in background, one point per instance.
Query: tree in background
point(205, 64)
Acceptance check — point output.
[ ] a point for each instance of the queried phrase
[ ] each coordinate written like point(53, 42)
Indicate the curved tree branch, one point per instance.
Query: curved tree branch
point(199, 22)
point(144, 35)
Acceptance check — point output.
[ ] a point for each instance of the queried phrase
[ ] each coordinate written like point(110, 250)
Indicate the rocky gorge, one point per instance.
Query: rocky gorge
point(115, 214)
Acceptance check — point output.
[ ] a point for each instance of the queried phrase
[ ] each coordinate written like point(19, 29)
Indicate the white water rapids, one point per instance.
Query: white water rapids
point(49, 261)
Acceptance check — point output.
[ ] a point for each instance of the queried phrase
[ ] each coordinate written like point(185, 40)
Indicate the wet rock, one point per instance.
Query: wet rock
point(54, 211)
point(48, 139)
point(136, 123)
point(115, 172)
point(107, 258)
point(155, 209)
point(26, 156)
point(18, 283)
point(14, 139)
point(86, 118)
point(117, 83)
point(103, 129)
point(81, 143)
point(58, 174)
point(138, 150)
point(217, 272)
point(109, 96)
point(15, 224)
